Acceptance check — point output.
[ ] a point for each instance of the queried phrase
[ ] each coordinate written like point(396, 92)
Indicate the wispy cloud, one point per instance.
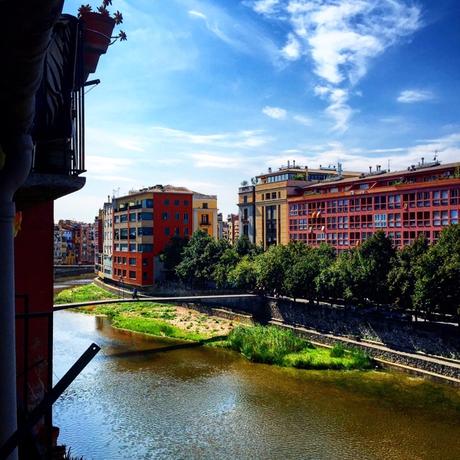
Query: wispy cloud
point(341, 37)
point(409, 96)
point(274, 112)
point(217, 160)
point(302, 120)
point(239, 139)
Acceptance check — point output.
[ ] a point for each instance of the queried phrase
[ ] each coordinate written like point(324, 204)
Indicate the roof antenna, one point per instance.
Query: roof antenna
point(436, 155)
point(388, 165)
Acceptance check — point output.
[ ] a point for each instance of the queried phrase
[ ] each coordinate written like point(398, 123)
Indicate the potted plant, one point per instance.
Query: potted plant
point(97, 33)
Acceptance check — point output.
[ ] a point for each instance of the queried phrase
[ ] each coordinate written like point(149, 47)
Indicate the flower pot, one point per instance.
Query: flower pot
point(97, 33)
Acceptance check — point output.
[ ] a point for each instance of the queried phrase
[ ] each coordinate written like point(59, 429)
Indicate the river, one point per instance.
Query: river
point(136, 401)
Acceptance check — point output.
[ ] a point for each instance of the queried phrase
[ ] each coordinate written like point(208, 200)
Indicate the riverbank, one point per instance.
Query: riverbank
point(265, 344)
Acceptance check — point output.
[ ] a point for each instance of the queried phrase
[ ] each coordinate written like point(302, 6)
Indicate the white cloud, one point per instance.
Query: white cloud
point(275, 112)
point(410, 96)
point(265, 6)
point(238, 139)
point(302, 120)
point(292, 49)
point(341, 37)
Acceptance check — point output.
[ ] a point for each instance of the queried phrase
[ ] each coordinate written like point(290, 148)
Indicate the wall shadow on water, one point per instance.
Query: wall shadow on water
point(156, 350)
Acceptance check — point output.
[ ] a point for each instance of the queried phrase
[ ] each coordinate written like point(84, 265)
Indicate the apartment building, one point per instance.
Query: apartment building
point(272, 192)
point(205, 214)
point(143, 223)
point(404, 204)
point(247, 211)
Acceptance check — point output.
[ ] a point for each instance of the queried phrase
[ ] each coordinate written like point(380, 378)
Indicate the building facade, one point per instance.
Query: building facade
point(247, 211)
point(404, 204)
point(143, 224)
point(107, 238)
point(233, 229)
point(272, 192)
point(205, 214)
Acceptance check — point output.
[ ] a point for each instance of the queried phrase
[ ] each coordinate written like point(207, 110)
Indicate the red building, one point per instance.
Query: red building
point(144, 222)
point(404, 204)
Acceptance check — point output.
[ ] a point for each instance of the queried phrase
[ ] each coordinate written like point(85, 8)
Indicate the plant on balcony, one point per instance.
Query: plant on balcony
point(97, 33)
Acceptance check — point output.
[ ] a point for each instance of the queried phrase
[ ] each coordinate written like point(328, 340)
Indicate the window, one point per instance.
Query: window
point(176, 202)
point(145, 231)
point(166, 202)
point(132, 261)
point(145, 247)
point(132, 247)
point(380, 220)
point(177, 216)
point(205, 219)
point(123, 233)
point(132, 217)
point(205, 205)
point(167, 231)
point(454, 216)
point(116, 219)
point(124, 218)
point(185, 217)
point(165, 216)
point(436, 218)
point(267, 196)
point(444, 218)
point(245, 199)
point(148, 203)
point(132, 233)
point(186, 231)
point(273, 195)
point(436, 198)
point(186, 202)
point(176, 231)
point(141, 216)
point(132, 274)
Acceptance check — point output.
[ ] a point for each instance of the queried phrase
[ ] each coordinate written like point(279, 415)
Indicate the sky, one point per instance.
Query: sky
point(208, 93)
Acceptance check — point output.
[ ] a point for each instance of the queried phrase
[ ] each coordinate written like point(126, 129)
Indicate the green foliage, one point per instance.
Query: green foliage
point(243, 275)
point(227, 262)
point(172, 253)
point(265, 344)
point(199, 258)
point(402, 276)
point(337, 351)
point(84, 293)
point(272, 345)
point(437, 286)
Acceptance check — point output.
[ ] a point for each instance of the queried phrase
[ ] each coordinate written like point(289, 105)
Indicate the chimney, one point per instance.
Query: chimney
point(423, 160)
point(378, 168)
point(370, 169)
point(269, 170)
point(289, 164)
point(293, 163)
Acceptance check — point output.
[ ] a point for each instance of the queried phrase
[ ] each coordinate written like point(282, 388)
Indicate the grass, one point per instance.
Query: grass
point(155, 327)
point(272, 345)
point(83, 293)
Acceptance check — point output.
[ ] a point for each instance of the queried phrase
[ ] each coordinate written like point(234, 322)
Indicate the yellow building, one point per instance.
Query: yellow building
point(205, 213)
point(271, 193)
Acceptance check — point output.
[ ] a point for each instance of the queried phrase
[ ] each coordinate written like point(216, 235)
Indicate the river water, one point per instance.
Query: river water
point(141, 398)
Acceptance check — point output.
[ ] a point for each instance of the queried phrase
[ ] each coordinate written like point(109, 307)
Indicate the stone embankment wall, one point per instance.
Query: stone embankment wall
point(374, 326)
point(63, 271)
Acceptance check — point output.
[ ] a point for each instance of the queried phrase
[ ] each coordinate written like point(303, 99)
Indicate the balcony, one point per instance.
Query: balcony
point(59, 122)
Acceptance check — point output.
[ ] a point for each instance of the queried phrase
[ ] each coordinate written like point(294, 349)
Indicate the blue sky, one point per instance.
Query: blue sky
point(207, 93)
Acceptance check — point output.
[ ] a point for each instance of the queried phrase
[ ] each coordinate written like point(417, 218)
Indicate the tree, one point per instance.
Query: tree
point(367, 270)
point(402, 276)
point(226, 263)
point(172, 253)
point(270, 268)
point(243, 275)
point(437, 286)
point(199, 258)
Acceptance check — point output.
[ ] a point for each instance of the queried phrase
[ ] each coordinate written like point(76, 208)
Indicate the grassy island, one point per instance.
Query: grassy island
point(263, 344)
point(272, 345)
